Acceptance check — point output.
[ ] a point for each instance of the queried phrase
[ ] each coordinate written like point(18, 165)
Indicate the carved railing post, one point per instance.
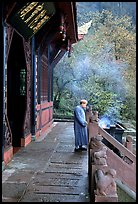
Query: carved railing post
point(97, 159)
point(105, 186)
point(93, 129)
point(129, 143)
point(98, 167)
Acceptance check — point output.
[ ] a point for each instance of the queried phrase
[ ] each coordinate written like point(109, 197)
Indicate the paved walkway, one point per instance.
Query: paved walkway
point(48, 170)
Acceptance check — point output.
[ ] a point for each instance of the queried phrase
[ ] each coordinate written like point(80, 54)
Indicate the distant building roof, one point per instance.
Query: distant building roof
point(83, 30)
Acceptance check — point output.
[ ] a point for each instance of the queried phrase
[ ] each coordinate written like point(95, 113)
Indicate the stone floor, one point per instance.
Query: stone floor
point(48, 170)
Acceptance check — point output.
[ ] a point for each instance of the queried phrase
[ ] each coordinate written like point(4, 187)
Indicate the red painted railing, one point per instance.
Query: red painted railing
point(126, 171)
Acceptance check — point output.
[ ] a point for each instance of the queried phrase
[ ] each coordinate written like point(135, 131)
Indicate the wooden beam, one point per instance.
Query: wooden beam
point(8, 7)
point(69, 10)
point(58, 57)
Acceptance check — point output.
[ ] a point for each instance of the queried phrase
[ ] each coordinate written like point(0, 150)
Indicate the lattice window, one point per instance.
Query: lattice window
point(8, 134)
point(44, 78)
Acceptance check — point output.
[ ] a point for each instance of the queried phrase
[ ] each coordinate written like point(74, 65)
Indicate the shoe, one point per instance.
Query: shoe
point(77, 149)
point(83, 148)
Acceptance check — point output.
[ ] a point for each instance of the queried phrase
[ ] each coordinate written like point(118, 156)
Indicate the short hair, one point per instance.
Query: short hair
point(83, 101)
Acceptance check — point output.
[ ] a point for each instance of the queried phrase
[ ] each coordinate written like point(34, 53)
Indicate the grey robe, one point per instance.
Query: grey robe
point(80, 126)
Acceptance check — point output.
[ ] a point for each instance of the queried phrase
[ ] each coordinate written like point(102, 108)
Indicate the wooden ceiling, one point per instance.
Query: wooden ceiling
point(68, 9)
point(49, 33)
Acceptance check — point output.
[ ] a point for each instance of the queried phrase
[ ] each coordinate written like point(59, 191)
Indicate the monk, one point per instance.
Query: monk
point(80, 126)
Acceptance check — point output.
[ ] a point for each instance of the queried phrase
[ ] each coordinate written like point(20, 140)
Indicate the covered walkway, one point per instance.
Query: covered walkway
point(48, 170)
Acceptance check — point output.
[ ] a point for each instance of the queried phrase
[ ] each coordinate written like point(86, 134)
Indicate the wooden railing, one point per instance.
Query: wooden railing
point(126, 153)
point(126, 171)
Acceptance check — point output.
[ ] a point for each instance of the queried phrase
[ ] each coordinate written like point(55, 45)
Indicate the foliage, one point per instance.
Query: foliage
point(102, 68)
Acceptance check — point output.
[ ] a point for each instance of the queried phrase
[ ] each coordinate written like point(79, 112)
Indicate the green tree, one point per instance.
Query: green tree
point(102, 67)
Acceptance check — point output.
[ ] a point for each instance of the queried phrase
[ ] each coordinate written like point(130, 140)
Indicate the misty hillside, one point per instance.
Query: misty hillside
point(117, 8)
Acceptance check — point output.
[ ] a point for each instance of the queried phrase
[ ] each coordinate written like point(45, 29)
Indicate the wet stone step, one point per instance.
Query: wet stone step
point(65, 165)
point(52, 198)
point(57, 182)
point(72, 157)
point(56, 190)
point(64, 175)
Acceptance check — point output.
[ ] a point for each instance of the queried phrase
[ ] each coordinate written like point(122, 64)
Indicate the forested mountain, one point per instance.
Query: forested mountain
point(117, 8)
point(102, 66)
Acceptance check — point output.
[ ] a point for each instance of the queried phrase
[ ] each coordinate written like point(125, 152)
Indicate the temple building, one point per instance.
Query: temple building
point(35, 36)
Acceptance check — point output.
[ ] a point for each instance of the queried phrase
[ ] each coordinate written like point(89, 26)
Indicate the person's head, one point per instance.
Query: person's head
point(83, 103)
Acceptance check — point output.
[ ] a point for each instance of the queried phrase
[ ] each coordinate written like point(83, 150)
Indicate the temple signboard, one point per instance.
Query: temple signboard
point(29, 18)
